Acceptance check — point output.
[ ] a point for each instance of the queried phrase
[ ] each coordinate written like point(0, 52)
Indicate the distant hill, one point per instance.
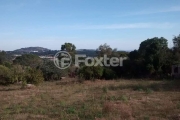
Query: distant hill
point(32, 49)
point(87, 52)
point(40, 51)
point(29, 50)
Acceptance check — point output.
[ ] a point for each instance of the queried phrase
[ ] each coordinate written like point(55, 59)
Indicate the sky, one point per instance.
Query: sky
point(122, 24)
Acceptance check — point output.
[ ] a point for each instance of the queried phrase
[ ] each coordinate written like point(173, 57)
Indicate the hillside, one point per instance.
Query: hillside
point(45, 51)
point(31, 49)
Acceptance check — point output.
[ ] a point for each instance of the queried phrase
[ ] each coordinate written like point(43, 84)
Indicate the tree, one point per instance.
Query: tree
point(31, 60)
point(176, 49)
point(51, 72)
point(34, 76)
point(5, 75)
point(134, 67)
point(104, 50)
point(3, 57)
point(98, 71)
point(160, 42)
point(86, 72)
point(69, 47)
point(176, 41)
point(18, 73)
point(153, 51)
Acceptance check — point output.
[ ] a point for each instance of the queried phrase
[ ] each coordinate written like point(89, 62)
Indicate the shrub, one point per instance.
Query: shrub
point(86, 72)
point(31, 60)
point(18, 73)
point(51, 72)
point(91, 73)
point(34, 76)
point(109, 74)
point(3, 57)
point(98, 72)
point(5, 75)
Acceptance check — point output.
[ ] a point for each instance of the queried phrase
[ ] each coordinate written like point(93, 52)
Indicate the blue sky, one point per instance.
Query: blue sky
point(123, 24)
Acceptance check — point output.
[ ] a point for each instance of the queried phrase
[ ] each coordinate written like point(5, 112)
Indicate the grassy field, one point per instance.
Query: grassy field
point(100, 100)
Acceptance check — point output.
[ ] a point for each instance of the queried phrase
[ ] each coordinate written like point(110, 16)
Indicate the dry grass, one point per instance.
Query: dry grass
point(100, 100)
point(117, 110)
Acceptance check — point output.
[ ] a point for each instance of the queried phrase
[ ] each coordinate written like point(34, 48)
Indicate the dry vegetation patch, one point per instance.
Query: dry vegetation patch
point(101, 100)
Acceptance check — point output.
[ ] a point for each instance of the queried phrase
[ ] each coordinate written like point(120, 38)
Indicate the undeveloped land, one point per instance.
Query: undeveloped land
point(99, 100)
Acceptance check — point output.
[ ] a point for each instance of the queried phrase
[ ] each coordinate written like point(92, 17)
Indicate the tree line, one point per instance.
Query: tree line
point(153, 59)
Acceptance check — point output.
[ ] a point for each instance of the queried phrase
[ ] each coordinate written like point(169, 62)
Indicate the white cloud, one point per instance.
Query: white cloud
point(122, 26)
point(155, 11)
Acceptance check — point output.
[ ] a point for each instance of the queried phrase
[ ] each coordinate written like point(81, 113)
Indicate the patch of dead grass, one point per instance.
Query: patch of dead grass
point(101, 100)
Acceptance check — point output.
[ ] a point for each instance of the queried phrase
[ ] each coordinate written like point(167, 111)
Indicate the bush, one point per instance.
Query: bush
point(86, 72)
point(34, 76)
point(91, 73)
point(98, 72)
point(109, 74)
point(5, 75)
point(18, 73)
point(31, 60)
point(51, 72)
point(3, 57)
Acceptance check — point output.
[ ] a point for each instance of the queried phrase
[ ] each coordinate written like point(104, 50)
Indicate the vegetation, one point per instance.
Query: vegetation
point(34, 76)
point(5, 75)
point(28, 60)
point(100, 100)
point(153, 59)
point(107, 97)
point(91, 73)
point(51, 72)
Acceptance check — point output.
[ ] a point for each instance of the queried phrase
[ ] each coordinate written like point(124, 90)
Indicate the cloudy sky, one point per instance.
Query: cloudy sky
point(122, 24)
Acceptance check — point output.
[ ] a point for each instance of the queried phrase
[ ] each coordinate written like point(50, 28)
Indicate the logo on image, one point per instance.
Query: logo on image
point(62, 60)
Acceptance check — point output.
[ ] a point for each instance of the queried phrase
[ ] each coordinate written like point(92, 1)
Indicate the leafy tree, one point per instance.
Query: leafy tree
point(5, 75)
point(3, 57)
point(104, 50)
point(160, 42)
point(176, 50)
point(122, 53)
point(134, 66)
point(31, 60)
point(51, 72)
point(86, 72)
point(18, 73)
point(176, 41)
point(153, 51)
point(70, 48)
